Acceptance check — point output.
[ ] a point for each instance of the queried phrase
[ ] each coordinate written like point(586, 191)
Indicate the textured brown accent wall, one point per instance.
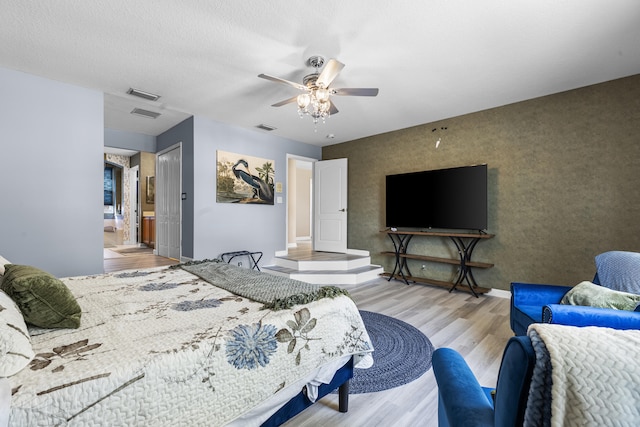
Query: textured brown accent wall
point(564, 183)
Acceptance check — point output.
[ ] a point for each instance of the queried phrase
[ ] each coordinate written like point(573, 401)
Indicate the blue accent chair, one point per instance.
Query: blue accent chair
point(462, 402)
point(536, 303)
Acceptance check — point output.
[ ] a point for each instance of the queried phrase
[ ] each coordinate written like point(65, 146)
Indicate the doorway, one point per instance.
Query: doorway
point(316, 204)
point(125, 201)
point(299, 201)
point(113, 204)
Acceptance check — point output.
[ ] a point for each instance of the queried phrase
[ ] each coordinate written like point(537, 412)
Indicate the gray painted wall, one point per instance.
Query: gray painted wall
point(51, 174)
point(210, 228)
point(563, 183)
point(224, 227)
point(129, 140)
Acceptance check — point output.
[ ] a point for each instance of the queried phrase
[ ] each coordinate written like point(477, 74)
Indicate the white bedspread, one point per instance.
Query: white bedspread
point(162, 347)
point(584, 377)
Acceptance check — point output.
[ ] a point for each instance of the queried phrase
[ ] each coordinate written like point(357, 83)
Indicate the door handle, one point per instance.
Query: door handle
point(342, 210)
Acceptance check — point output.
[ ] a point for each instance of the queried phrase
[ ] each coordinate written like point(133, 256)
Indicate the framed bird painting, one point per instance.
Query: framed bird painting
point(244, 179)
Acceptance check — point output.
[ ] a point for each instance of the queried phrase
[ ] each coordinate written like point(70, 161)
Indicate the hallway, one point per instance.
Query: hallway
point(113, 238)
point(119, 257)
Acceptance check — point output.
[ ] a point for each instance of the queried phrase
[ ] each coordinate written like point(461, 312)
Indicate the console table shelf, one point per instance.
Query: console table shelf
point(465, 243)
point(478, 290)
point(441, 260)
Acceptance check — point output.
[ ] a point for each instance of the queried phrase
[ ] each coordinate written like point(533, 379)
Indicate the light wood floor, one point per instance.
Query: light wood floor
point(114, 261)
point(129, 262)
point(476, 327)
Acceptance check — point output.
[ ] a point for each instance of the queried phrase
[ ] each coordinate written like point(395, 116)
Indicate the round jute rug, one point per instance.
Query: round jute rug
point(401, 354)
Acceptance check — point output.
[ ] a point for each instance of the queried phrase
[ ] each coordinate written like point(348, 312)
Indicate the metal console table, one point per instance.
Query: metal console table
point(465, 244)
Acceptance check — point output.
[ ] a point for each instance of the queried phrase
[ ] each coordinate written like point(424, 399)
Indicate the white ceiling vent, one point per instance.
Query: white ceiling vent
point(145, 113)
point(268, 128)
point(142, 94)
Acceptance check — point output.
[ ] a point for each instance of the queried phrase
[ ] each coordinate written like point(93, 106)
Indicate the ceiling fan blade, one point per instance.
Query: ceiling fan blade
point(329, 72)
point(283, 81)
point(362, 91)
point(332, 108)
point(285, 102)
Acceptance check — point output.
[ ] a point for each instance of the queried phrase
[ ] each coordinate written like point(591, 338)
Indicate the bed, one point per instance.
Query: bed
point(203, 343)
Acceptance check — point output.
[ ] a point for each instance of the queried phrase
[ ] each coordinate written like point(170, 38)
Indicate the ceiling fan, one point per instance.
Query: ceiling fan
point(315, 98)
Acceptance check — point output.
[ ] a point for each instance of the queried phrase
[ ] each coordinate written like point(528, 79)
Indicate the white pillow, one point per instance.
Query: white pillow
point(15, 343)
point(3, 261)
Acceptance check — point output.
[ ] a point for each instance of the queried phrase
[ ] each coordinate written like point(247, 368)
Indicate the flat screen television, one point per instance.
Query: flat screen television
point(453, 198)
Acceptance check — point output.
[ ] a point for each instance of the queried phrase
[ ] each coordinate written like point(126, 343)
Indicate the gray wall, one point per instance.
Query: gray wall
point(224, 227)
point(129, 140)
point(563, 183)
point(51, 174)
point(183, 133)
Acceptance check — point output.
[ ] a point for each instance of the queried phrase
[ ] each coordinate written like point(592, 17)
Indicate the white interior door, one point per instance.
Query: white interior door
point(168, 203)
point(330, 199)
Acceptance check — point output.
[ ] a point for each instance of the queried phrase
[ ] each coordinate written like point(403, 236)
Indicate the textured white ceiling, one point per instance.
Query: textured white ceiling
point(432, 60)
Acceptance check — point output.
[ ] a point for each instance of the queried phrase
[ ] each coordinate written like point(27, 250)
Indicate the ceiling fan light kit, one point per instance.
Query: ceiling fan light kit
point(315, 101)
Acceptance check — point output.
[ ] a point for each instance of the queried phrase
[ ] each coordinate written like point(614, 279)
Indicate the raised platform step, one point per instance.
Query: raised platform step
point(325, 268)
point(351, 276)
point(324, 261)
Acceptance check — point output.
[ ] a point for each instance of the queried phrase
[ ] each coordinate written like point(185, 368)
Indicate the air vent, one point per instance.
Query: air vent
point(268, 128)
point(145, 113)
point(143, 94)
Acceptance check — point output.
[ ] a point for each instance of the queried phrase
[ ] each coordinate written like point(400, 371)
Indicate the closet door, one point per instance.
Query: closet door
point(168, 203)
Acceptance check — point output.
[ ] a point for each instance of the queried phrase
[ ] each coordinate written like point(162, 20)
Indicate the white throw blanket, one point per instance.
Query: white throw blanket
point(593, 374)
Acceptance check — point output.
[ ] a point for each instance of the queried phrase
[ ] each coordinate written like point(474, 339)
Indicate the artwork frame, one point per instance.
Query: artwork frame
point(244, 179)
point(151, 190)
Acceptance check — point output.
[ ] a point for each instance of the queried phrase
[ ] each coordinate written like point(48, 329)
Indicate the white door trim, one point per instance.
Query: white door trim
point(289, 200)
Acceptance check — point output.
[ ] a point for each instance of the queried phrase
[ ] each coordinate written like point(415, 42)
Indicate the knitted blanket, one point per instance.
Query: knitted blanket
point(584, 377)
point(275, 292)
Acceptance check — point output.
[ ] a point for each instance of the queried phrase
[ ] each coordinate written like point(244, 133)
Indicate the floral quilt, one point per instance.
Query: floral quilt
point(164, 347)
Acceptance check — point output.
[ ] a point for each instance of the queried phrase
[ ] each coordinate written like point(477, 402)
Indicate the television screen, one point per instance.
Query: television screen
point(454, 198)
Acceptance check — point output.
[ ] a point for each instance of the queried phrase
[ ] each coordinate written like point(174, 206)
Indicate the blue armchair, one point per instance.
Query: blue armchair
point(535, 303)
point(462, 402)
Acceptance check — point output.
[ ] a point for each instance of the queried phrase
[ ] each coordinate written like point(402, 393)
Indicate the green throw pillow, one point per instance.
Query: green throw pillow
point(589, 294)
point(43, 300)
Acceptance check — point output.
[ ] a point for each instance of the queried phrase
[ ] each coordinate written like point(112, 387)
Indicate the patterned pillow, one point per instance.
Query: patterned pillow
point(619, 270)
point(15, 342)
point(43, 300)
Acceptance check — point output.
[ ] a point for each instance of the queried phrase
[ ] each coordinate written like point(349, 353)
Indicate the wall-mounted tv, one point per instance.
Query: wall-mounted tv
point(453, 198)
